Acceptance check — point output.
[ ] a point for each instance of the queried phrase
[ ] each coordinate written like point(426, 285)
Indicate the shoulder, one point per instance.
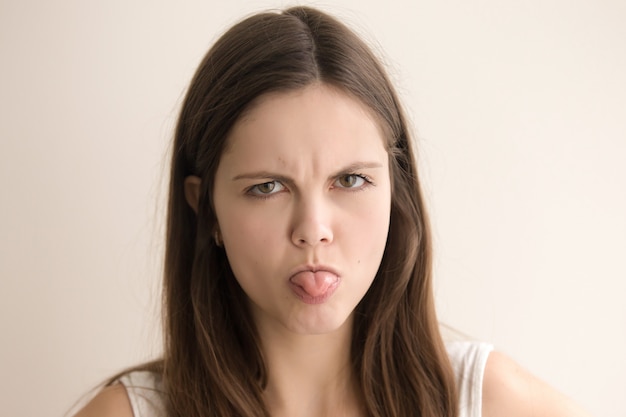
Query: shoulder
point(111, 401)
point(509, 390)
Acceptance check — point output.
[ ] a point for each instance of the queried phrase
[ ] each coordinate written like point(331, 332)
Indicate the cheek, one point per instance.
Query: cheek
point(251, 242)
point(251, 226)
point(368, 234)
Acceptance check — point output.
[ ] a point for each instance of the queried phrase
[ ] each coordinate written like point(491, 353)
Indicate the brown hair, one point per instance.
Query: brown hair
point(212, 364)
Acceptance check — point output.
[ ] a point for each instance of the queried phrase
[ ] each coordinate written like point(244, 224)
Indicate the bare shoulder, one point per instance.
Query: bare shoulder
point(509, 390)
point(111, 401)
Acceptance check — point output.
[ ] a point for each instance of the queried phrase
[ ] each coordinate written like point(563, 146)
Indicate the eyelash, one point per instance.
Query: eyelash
point(264, 196)
point(367, 181)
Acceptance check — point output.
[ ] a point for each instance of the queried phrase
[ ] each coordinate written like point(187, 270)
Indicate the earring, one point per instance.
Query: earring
point(218, 238)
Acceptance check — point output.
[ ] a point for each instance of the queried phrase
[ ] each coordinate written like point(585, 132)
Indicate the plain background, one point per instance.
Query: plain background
point(520, 112)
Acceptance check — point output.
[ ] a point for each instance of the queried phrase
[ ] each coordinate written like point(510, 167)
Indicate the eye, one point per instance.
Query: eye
point(266, 188)
point(351, 181)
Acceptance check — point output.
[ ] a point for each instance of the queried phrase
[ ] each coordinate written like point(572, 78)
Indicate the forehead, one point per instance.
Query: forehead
point(316, 103)
point(306, 131)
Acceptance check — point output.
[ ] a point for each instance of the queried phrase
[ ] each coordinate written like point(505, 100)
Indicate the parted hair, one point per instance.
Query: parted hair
point(212, 363)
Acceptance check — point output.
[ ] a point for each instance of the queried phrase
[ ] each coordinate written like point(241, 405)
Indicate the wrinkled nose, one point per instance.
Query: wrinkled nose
point(311, 223)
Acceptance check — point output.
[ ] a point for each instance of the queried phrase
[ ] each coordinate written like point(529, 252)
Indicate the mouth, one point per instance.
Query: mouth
point(314, 285)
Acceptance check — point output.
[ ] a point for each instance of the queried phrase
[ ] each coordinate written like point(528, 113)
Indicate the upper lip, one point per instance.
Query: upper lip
point(313, 268)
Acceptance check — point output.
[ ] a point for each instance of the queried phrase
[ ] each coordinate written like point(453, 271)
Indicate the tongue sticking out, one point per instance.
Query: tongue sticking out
point(314, 284)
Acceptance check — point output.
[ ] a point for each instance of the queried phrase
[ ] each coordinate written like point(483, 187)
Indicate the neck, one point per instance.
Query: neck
point(309, 375)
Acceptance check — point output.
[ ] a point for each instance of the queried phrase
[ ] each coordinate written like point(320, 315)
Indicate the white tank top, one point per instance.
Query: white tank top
point(468, 360)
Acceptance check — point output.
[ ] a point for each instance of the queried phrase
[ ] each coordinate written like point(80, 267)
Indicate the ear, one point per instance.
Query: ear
point(192, 191)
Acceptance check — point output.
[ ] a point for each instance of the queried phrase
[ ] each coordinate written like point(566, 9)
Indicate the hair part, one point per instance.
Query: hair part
point(212, 363)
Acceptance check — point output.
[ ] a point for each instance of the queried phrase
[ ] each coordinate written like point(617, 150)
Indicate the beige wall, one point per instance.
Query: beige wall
point(520, 108)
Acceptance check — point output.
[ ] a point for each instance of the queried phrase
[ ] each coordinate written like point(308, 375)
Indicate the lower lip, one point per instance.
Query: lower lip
point(308, 299)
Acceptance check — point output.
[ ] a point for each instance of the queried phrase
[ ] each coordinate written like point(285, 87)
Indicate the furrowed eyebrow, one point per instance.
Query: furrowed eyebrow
point(260, 174)
point(356, 166)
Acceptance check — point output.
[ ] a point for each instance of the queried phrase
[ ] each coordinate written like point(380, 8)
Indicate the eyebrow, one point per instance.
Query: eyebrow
point(356, 166)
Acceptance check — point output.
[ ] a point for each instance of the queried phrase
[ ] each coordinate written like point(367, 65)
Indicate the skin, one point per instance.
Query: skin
point(304, 184)
point(510, 390)
point(325, 159)
point(290, 195)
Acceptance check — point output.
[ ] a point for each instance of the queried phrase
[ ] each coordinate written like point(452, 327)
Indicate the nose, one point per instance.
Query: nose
point(311, 225)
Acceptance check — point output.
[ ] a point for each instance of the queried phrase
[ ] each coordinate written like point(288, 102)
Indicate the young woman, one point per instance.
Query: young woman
point(298, 261)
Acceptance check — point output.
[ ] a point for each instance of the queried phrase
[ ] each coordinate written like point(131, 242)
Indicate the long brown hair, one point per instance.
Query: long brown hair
point(212, 363)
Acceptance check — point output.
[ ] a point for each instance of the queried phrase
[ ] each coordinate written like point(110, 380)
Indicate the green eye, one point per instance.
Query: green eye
point(348, 181)
point(266, 188)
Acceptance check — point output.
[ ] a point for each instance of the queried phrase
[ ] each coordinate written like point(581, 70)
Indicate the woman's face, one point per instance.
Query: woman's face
point(302, 198)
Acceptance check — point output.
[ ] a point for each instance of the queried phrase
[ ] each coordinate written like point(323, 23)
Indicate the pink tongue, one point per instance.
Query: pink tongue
point(314, 283)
